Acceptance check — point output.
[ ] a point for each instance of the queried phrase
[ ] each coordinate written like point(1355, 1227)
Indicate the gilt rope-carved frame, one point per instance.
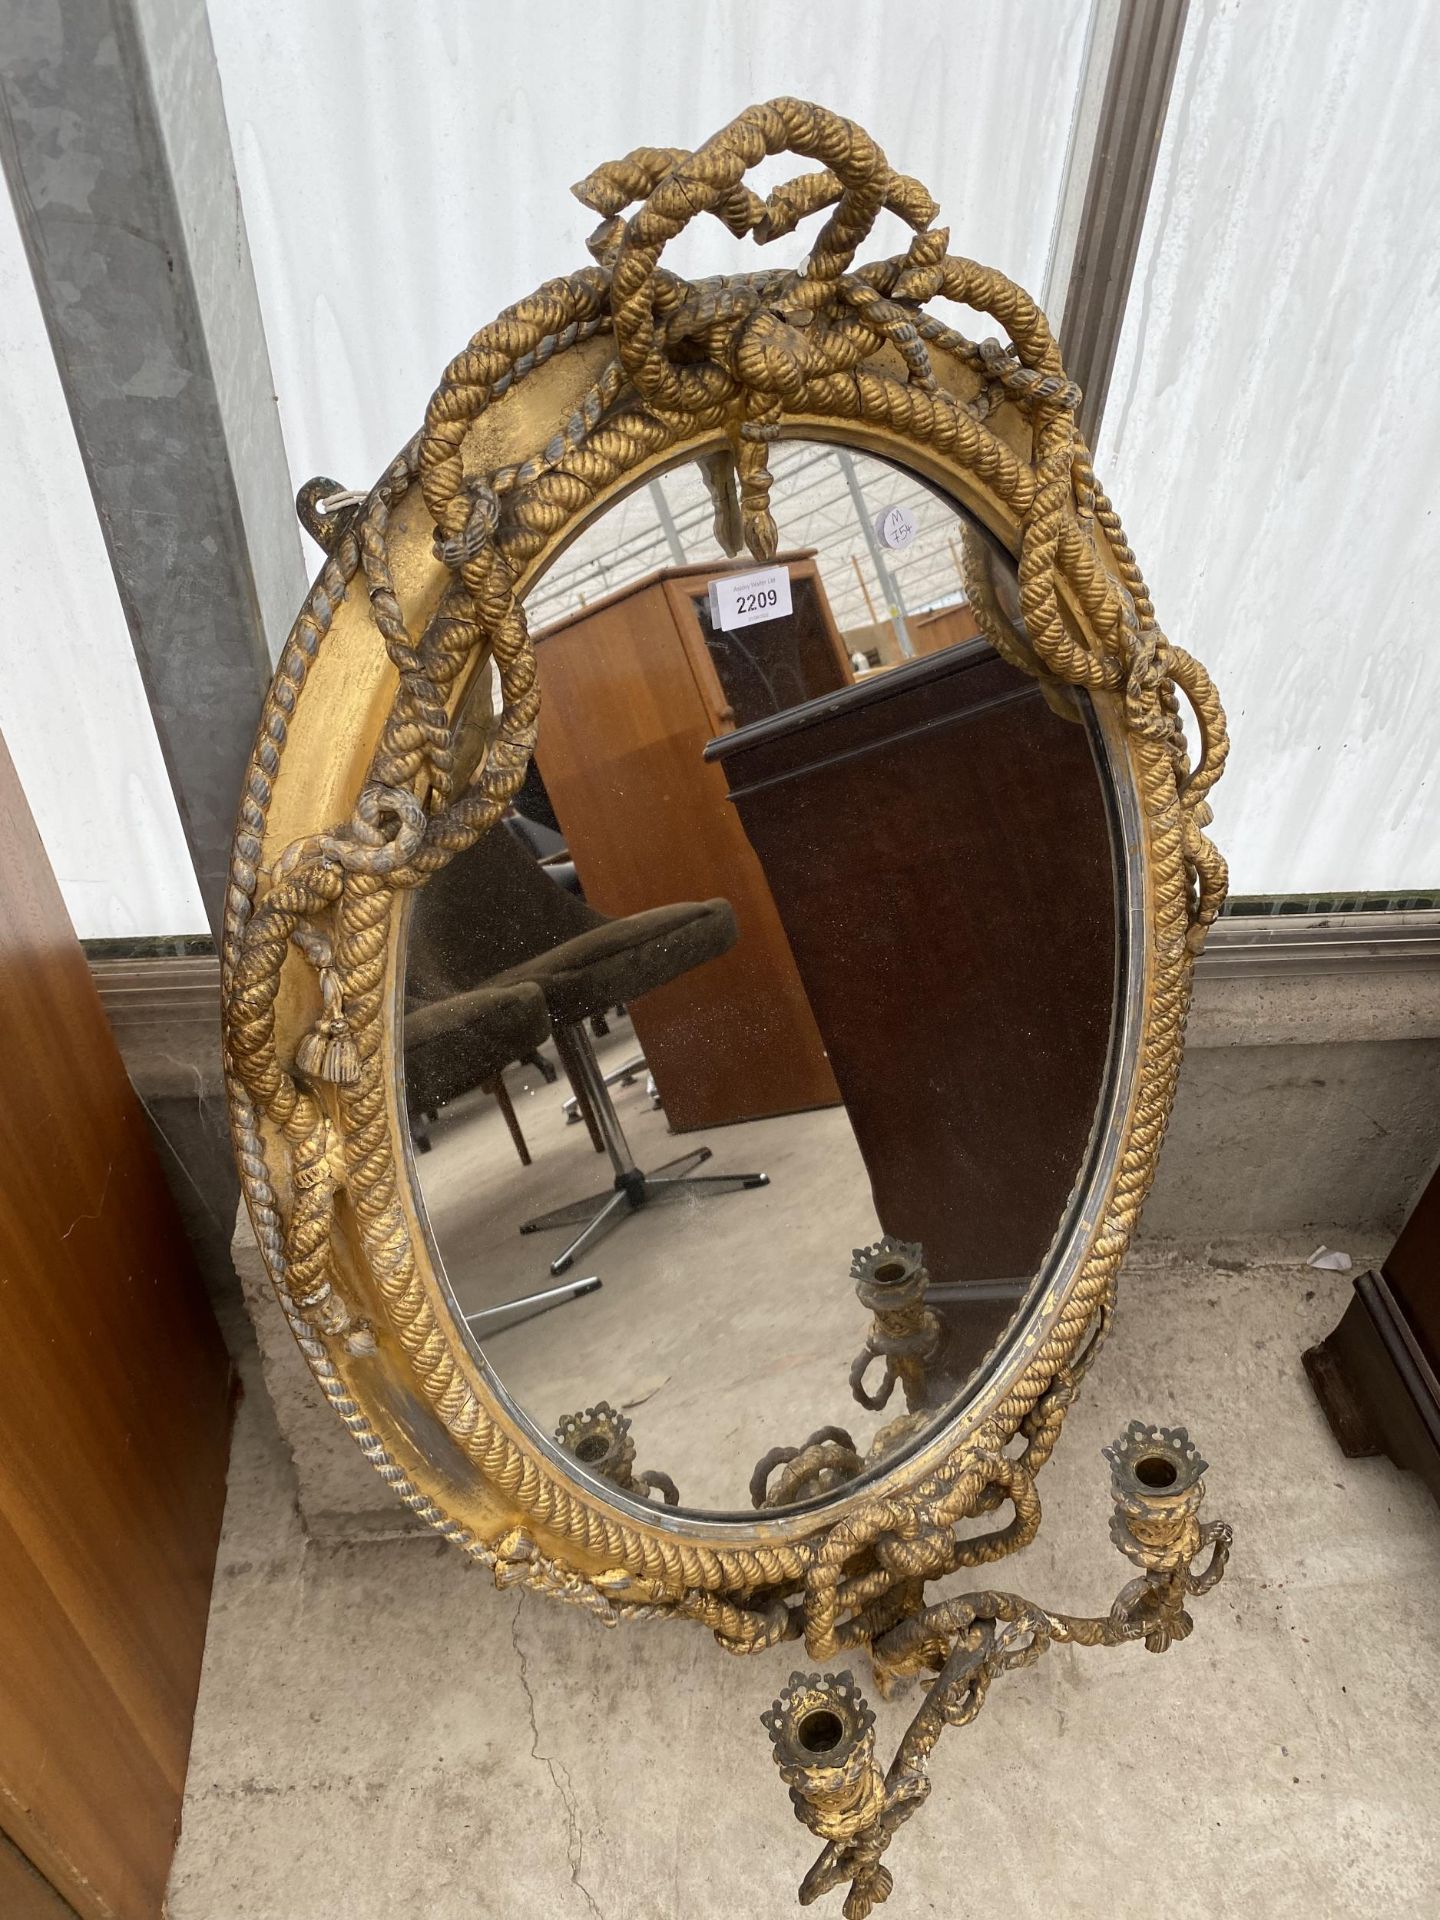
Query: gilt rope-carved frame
point(354, 797)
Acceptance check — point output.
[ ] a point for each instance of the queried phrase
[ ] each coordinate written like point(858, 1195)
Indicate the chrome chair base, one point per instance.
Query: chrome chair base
point(622, 1076)
point(513, 1313)
point(599, 1213)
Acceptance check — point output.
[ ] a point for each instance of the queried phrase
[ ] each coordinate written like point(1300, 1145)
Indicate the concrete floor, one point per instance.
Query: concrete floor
point(725, 1324)
point(383, 1736)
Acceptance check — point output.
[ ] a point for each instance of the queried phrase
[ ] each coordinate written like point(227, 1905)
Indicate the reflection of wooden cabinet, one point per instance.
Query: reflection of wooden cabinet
point(632, 688)
point(930, 632)
point(942, 627)
point(939, 848)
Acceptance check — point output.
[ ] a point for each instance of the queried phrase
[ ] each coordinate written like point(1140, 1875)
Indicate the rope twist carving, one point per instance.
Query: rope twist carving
point(738, 357)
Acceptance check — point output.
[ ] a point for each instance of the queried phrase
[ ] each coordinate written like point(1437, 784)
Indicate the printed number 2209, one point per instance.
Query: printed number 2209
point(743, 599)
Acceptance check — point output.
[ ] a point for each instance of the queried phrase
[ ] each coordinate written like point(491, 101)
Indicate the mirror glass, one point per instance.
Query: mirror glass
point(756, 1066)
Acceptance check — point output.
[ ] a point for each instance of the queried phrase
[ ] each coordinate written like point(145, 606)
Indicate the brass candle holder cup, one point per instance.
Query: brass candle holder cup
point(600, 1439)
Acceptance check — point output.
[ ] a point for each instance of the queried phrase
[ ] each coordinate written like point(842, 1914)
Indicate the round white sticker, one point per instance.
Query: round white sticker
point(896, 527)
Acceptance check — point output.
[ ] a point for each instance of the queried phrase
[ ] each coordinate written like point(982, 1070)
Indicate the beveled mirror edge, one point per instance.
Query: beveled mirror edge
point(305, 1131)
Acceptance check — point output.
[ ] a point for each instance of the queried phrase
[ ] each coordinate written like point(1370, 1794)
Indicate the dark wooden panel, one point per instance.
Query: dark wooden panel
point(23, 1894)
point(628, 702)
point(938, 844)
point(1376, 1376)
point(1413, 1272)
point(114, 1422)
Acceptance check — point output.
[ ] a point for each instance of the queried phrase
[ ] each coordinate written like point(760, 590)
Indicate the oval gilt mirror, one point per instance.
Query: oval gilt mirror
point(712, 924)
point(828, 1097)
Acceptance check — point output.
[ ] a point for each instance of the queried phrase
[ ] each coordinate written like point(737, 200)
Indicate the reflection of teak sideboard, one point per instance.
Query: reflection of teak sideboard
point(632, 688)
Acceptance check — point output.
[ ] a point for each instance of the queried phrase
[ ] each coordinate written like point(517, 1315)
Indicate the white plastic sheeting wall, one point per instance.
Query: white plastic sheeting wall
point(1271, 424)
point(72, 707)
point(405, 170)
point(1270, 437)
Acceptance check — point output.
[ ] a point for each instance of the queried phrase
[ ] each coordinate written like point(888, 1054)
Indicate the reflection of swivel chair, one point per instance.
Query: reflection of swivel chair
point(494, 917)
point(453, 1043)
point(539, 833)
point(456, 1041)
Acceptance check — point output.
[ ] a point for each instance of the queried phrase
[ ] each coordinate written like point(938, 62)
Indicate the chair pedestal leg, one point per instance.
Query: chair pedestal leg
point(513, 1313)
point(632, 1188)
point(621, 1076)
point(566, 1047)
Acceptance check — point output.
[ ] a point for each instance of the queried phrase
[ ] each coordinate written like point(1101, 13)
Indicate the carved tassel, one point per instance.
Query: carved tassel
point(328, 1051)
point(752, 465)
point(717, 470)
